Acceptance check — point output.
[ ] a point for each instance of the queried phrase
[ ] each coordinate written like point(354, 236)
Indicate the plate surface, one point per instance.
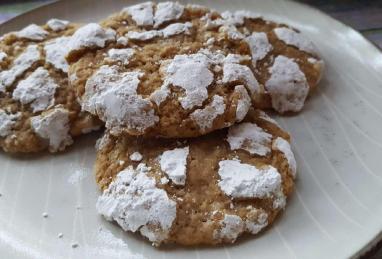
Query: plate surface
point(335, 212)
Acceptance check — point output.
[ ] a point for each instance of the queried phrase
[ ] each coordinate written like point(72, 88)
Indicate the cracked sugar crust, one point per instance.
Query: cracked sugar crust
point(164, 57)
point(189, 89)
point(33, 82)
point(265, 41)
point(215, 202)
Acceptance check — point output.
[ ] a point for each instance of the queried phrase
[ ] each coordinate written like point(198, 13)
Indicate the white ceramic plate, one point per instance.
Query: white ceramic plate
point(336, 211)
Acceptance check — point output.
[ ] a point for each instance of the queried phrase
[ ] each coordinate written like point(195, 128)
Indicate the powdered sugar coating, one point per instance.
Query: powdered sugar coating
point(231, 227)
point(279, 200)
point(122, 41)
point(198, 67)
point(102, 142)
point(205, 117)
point(170, 30)
point(57, 24)
point(232, 32)
point(135, 203)
point(229, 22)
point(177, 28)
point(248, 136)
point(229, 19)
point(112, 95)
point(261, 222)
point(167, 11)
point(174, 164)
point(72, 77)
point(283, 146)
point(237, 17)
point(210, 41)
point(142, 13)
point(233, 72)
point(296, 39)
point(56, 51)
point(89, 129)
point(164, 180)
point(236, 58)
point(144, 35)
point(7, 121)
point(244, 102)
point(136, 156)
point(122, 55)
point(287, 85)
point(54, 127)
point(232, 18)
point(160, 95)
point(37, 89)
point(259, 45)
point(32, 32)
point(312, 60)
point(318, 65)
point(3, 56)
point(23, 62)
point(91, 35)
point(264, 116)
point(239, 180)
point(199, 77)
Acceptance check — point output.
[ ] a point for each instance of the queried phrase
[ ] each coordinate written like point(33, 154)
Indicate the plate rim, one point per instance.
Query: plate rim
point(370, 245)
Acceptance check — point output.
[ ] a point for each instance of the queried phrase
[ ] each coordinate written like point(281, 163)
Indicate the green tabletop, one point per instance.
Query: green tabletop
point(363, 15)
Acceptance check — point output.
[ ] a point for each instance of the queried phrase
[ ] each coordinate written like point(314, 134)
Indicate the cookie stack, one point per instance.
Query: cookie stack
point(188, 155)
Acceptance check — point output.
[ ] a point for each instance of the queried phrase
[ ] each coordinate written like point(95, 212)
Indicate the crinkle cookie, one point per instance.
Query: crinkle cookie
point(154, 70)
point(38, 108)
point(166, 66)
point(205, 190)
point(285, 63)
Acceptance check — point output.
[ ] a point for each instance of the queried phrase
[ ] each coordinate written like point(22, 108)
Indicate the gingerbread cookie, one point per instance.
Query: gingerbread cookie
point(38, 108)
point(205, 190)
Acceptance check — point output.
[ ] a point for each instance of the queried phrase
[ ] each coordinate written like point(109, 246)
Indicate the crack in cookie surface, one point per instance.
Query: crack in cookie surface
point(178, 49)
point(220, 192)
point(38, 108)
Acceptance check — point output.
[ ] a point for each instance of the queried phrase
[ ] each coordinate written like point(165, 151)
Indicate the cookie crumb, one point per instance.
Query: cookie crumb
point(136, 156)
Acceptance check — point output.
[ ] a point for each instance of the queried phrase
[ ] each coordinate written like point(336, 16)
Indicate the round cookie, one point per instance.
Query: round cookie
point(38, 108)
point(154, 70)
point(205, 190)
point(156, 51)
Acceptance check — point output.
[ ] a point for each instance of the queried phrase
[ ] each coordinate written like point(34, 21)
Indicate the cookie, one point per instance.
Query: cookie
point(180, 61)
point(38, 108)
point(205, 190)
point(285, 62)
point(152, 73)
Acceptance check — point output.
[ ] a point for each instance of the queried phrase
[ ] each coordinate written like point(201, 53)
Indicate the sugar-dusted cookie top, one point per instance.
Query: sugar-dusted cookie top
point(204, 190)
point(158, 48)
point(38, 108)
point(285, 62)
point(153, 70)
